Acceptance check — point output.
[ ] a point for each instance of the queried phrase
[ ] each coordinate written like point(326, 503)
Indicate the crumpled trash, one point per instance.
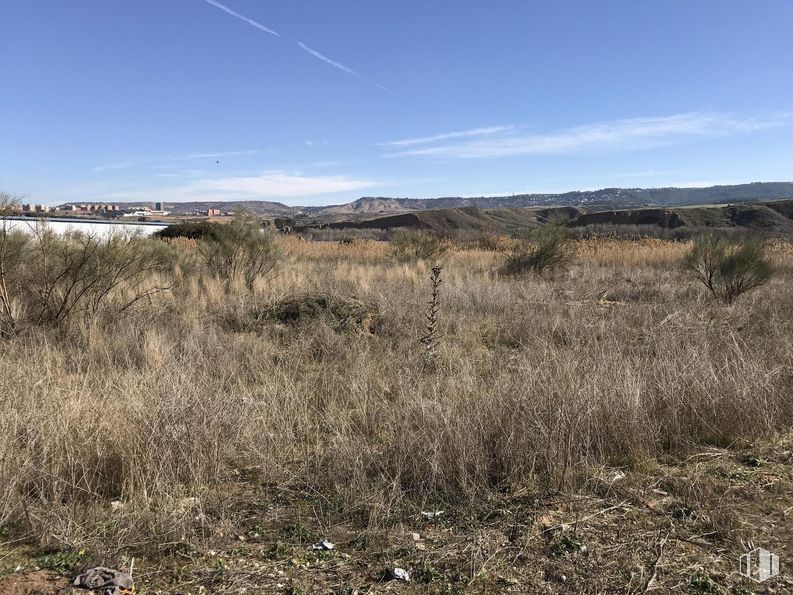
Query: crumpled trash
point(428, 514)
point(117, 505)
point(105, 580)
point(400, 574)
point(323, 545)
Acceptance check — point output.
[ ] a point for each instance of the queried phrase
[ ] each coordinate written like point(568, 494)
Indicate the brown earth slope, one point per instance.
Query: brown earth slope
point(774, 217)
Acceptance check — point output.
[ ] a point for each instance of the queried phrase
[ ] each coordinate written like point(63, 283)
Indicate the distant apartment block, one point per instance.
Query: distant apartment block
point(86, 208)
point(31, 208)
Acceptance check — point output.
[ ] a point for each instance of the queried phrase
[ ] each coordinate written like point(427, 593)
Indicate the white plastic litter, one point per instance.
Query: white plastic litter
point(323, 545)
point(401, 574)
point(428, 514)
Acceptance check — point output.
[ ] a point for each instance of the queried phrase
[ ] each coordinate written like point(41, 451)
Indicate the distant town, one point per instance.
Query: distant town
point(112, 211)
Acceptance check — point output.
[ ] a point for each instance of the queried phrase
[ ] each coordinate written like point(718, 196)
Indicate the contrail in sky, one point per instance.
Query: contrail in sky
point(302, 45)
point(333, 63)
point(242, 17)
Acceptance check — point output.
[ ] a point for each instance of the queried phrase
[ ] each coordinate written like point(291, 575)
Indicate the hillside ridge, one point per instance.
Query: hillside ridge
point(602, 199)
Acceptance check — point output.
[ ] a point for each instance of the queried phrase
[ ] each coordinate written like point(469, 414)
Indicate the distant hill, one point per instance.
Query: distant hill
point(604, 199)
point(775, 217)
point(466, 219)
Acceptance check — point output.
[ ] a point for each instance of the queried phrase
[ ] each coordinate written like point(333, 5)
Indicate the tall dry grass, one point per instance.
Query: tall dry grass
point(618, 360)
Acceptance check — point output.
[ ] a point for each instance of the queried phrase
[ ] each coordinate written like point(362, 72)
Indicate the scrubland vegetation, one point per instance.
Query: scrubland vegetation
point(242, 375)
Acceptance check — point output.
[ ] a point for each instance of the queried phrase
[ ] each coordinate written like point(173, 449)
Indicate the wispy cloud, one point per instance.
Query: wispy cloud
point(268, 185)
point(448, 135)
point(113, 166)
point(618, 135)
point(327, 60)
point(217, 155)
point(250, 21)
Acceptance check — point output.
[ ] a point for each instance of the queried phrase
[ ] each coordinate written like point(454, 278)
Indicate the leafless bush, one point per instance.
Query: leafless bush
point(46, 278)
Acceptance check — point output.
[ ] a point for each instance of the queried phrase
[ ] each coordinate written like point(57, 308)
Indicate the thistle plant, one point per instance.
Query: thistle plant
point(431, 338)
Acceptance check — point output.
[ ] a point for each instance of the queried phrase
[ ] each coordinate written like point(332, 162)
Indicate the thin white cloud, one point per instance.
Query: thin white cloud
point(270, 185)
point(333, 63)
point(113, 166)
point(706, 183)
point(217, 155)
point(448, 135)
point(233, 13)
point(618, 135)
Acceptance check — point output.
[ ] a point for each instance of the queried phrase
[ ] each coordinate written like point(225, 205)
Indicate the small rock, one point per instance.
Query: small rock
point(415, 537)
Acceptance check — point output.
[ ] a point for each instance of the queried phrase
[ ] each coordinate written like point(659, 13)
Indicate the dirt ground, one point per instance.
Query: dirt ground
point(37, 582)
point(674, 527)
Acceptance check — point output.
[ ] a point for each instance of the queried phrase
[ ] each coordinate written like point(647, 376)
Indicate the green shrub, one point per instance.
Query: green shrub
point(193, 230)
point(729, 268)
point(240, 249)
point(550, 251)
point(417, 244)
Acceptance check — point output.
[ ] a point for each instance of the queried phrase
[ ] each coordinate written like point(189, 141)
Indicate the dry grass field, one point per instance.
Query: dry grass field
point(608, 428)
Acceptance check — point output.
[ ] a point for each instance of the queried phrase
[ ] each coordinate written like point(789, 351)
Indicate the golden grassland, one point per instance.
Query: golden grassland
point(201, 417)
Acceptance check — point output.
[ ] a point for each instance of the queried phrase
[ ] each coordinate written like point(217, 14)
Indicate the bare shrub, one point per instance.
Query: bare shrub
point(417, 244)
point(729, 268)
point(8, 203)
point(47, 278)
point(550, 251)
point(240, 249)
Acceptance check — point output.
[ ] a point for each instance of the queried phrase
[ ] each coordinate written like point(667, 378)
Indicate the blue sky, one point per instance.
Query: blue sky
point(319, 102)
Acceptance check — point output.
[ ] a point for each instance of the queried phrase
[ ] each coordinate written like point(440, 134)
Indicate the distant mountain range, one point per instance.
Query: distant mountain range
point(771, 217)
point(604, 199)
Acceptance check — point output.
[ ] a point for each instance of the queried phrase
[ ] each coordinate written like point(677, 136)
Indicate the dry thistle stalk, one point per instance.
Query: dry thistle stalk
point(431, 338)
